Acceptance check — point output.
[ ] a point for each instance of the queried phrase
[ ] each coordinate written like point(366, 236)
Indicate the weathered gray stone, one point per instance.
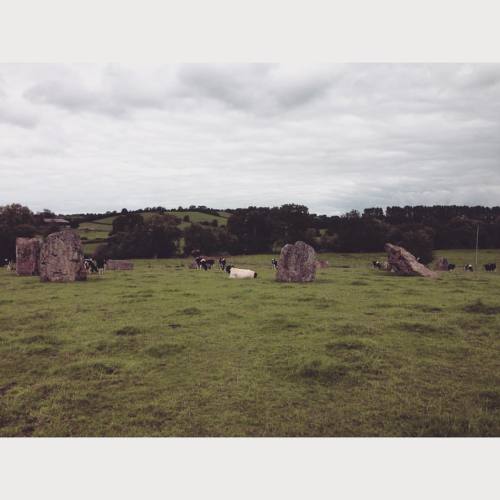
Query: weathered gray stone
point(119, 265)
point(27, 256)
point(442, 264)
point(61, 258)
point(297, 263)
point(403, 262)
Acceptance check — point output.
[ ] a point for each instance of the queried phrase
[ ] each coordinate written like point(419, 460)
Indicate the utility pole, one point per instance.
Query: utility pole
point(477, 242)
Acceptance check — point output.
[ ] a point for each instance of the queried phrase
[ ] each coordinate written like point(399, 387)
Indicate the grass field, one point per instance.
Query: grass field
point(168, 351)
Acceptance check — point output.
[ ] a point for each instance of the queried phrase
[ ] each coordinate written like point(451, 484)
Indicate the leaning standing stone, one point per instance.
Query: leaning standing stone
point(404, 263)
point(61, 258)
point(27, 256)
point(297, 263)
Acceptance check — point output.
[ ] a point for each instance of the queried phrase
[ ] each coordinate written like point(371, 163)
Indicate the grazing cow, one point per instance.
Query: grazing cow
point(234, 272)
point(274, 263)
point(209, 263)
point(91, 265)
point(451, 267)
point(490, 267)
point(468, 267)
point(222, 263)
point(377, 264)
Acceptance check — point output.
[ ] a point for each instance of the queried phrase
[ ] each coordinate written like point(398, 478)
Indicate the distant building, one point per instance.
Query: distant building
point(56, 222)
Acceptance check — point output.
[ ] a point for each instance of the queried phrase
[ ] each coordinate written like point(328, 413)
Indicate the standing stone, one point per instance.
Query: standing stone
point(442, 264)
point(403, 262)
point(61, 258)
point(297, 263)
point(27, 256)
point(119, 265)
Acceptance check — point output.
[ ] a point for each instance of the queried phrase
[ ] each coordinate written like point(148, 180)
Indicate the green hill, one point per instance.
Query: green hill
point(97, 231)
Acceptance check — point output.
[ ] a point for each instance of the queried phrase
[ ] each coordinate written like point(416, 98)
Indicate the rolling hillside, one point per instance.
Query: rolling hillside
point(97, 231)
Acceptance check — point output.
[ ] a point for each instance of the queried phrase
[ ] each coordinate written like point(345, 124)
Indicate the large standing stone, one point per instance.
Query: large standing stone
point(297, 263)
point(119, 265)
point(27, 256)
point(61, 258)
point(403, 262)
point(442, 264)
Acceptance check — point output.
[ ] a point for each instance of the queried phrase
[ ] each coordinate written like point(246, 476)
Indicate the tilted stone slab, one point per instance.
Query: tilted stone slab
point(61, 258)
point(403, 262)
point(297, 263)
point(27, 256)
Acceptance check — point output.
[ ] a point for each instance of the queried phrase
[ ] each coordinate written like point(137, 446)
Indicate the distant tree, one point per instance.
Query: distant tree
point(127, 223)
point(15, 221)
point(197, 237)
point(132, 237)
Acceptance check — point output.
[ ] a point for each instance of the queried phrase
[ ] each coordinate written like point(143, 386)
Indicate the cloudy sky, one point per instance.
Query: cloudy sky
point(91, 138)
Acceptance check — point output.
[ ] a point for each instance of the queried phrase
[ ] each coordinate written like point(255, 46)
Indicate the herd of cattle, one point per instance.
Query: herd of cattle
point(451, 267)
point(234, 272)
point(98, 266)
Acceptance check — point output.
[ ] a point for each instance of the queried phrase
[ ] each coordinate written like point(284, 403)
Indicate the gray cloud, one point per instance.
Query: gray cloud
point(334, 137)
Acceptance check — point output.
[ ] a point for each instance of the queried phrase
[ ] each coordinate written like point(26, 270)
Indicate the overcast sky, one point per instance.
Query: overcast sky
point(90, 138)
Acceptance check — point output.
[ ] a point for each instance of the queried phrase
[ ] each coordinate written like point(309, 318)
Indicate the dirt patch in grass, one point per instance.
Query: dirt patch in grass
point(479, 307)
point(164, 350)
point(322, 372)
point(191, 311)
point(490, 399)
point(128, 331)
point(88, 370)
point(349, 344)
point(40, 339)
point(426, 308)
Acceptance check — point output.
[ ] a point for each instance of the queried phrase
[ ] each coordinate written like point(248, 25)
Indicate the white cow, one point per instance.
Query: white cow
point(237, 273)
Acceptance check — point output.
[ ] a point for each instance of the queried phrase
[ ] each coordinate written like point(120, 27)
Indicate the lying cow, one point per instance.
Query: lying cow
point(451, 267)
point(237, 273)
point(468, 267)
point(490, 267)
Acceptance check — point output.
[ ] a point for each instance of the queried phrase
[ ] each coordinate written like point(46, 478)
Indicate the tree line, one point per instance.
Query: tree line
point(151, 232)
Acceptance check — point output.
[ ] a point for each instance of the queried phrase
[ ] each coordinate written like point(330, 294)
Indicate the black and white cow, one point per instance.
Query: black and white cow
point(91, 265)
point(451, 267)
point(468, 267)
point(222, 263)
point(490, 267)
point(377, 264)
point(274, 263)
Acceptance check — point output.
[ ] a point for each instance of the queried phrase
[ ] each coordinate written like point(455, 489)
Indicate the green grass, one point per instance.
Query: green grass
point(168, 351)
